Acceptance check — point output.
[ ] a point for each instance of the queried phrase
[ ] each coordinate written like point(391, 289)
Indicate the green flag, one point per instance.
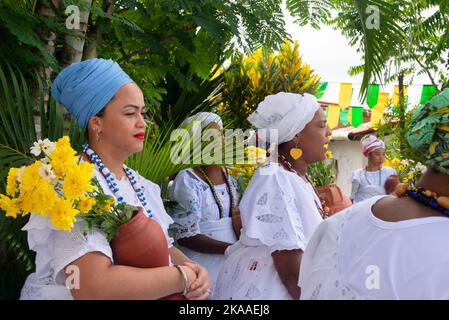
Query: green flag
point(321, 89)
point(428, 90)
point(372, 95)
point(344, 117)
point(357, 116)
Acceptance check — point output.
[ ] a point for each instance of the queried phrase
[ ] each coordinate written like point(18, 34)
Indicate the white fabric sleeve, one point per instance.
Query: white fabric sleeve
point(355, 183)
point(187, 212)
point(354, 188)
point(269, 213)
point(69, 246)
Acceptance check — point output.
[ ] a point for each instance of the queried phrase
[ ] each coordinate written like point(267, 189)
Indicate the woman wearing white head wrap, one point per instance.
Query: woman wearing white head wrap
point(207, 197)
point(280, 209)
point(370, 181)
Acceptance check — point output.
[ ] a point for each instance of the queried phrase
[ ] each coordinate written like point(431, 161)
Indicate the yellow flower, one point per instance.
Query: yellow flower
point(10, 206)
point(78, 181)
point(401, 167)
point(43, 197)
point(329, 154)
point(26, 202)
point(63, 215)
point(63, 157)
point(11, 182)
point(31, 177)
point(106, 206)
point(255, 155)
point(86, 204)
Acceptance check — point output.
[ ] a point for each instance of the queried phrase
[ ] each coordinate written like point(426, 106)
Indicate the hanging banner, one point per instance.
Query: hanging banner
point(356, 116)
point(321, 89)
point(333, 116)
point(395, 97)
point(344, 117)
point(382, 102)
point(376, 116)
point(350, 113)
point(372, 95)
point(428, 90)
point(345, 95)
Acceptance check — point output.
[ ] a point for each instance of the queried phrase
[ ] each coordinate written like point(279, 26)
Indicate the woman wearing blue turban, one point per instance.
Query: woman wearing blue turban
point(109, 105)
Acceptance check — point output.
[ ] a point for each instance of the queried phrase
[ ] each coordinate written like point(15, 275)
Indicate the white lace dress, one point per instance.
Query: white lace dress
point(56, 249)
point(279, 212)
point(198, 213)
point(355, 255)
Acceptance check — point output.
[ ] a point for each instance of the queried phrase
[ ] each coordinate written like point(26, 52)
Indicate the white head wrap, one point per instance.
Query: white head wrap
point(206, 119)
point(287, 112)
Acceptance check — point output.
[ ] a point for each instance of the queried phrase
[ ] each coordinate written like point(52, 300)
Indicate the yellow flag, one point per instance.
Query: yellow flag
point(382, 102)
point(395, 97)
point(345, 95)
point(376, 117)
point(333, 116)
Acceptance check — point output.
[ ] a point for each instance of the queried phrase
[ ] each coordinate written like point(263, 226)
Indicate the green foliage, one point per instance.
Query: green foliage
point(376, 41)
point(395, 136)
point(250, 78)
point(321, 173)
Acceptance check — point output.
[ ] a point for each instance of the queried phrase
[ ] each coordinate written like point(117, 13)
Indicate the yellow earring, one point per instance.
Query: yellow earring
point(296, 153)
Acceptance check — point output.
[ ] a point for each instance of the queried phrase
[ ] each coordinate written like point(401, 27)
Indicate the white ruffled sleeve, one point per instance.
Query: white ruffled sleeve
point(56, 249)
point(270, 212)
point(185, 191)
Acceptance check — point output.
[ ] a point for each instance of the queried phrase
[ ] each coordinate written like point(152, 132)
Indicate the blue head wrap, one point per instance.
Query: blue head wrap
point(85, 88)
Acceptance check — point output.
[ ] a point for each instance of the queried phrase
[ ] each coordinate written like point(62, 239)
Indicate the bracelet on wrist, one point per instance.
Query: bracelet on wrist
point(184, 278)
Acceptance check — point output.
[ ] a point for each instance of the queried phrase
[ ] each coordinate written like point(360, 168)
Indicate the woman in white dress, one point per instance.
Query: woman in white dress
point(370, 181)
point(280, 209)
point(207, 199)
point(390, 247)
point(109, 105)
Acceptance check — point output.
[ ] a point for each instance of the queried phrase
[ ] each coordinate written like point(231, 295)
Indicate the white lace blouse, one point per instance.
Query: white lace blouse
point(197, 204)
point(56, 249)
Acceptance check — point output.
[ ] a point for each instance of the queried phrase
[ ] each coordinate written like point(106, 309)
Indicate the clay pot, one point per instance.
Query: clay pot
point(333, 198)
point(141, 243)
point(391, 183)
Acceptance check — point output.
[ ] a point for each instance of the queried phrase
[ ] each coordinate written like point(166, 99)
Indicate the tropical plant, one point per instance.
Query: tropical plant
point(322, 173)
point(252, 77)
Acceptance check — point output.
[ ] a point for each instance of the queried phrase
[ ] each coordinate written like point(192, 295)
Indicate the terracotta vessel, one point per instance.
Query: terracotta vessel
point(334, 199)
point(141, 243)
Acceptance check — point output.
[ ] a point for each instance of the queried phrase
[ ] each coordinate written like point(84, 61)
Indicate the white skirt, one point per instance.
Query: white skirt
point(249, 274)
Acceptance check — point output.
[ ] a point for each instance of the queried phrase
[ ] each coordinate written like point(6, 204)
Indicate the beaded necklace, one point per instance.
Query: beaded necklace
point(111, 181)
point(318, 206)
point(214, 192)
point(431, 201)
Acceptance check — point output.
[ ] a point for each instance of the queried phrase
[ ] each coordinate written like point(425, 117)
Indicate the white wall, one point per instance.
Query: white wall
point(349, 157)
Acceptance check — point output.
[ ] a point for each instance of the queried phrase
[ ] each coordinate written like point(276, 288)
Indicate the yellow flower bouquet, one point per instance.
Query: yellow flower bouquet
point(408, 170)
point(59, 186)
